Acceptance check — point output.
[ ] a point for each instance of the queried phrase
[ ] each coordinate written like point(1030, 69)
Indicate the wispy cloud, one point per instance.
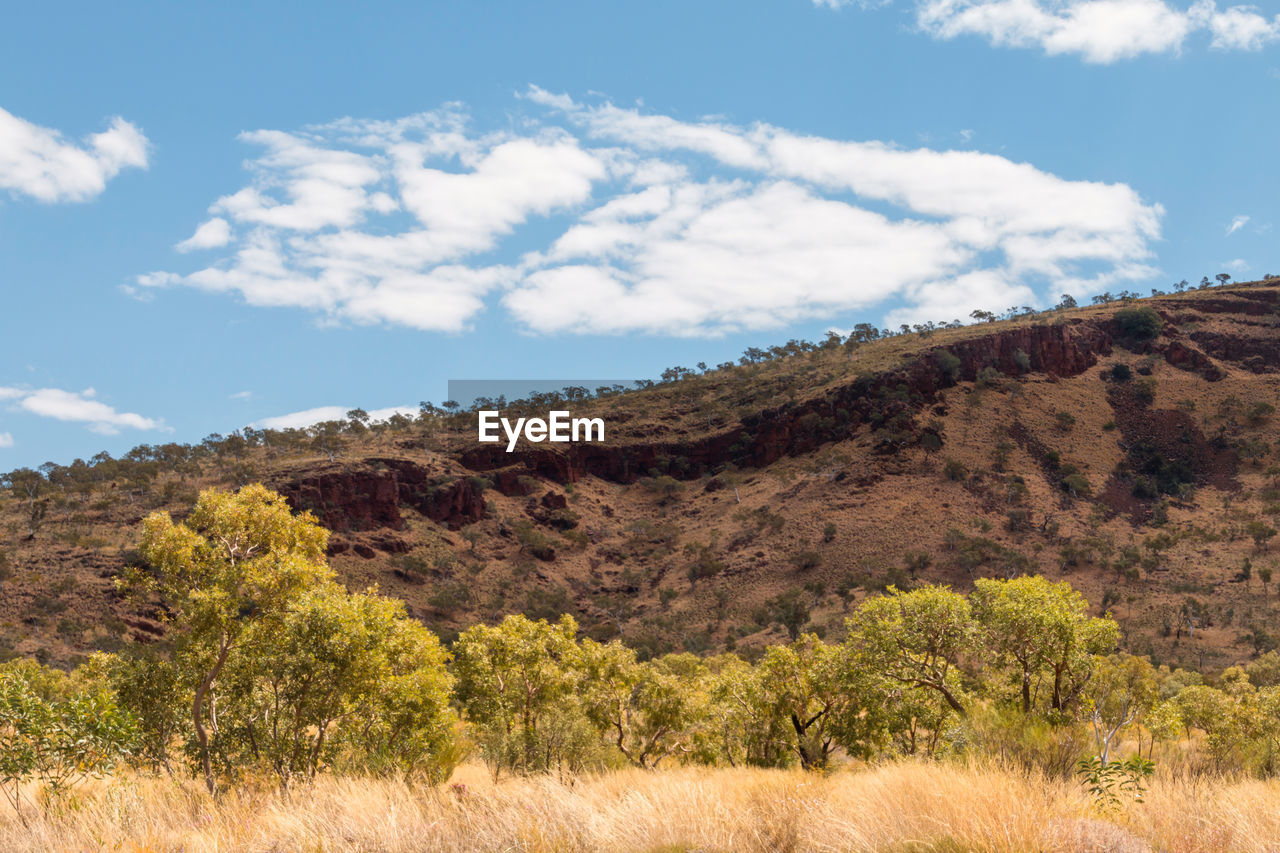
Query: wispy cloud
point(1236, 224)
point(1099, 31)
point(38, 162)
point(6, 439)
point(656, 225)
point(76, 407)
point(241, 395)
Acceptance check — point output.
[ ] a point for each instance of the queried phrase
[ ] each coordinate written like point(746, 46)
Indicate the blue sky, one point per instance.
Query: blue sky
point(216, 215)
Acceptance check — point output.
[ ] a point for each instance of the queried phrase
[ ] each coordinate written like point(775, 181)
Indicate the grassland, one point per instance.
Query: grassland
point(893, 807)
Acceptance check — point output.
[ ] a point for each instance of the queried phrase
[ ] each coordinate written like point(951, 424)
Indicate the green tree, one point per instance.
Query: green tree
point(340, 677)
point(824, 697)
point(238, 562)
point(517, 685)
point(1121, 690)
point(648, 710)
point(917, 639)
point(1039, 628)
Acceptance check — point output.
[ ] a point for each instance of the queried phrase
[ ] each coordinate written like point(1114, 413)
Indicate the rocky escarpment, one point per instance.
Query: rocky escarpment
point(888, 402)
point(370, 496)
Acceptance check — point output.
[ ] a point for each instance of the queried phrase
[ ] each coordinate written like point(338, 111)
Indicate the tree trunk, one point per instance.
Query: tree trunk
point(197, 713)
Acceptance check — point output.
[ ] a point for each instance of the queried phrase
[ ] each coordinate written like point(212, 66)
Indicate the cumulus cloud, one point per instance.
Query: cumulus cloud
point(786, 238)
point(320, 414)
point(1099, 31)
point(77, 407)
point(211, 234)
point(618, 220)
point(38, 162)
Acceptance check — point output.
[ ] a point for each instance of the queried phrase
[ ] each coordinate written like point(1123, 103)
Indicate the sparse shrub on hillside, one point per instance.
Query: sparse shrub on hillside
point(955, 470)
point(532, 540)
point(949, 364)
point(807, 559)
point(1139, 324)
point(916, 562)
point(829, 531)
point(703, 563)
point(667, 488)
point(1259, 413)
point(1120, 372)
point(989, 377)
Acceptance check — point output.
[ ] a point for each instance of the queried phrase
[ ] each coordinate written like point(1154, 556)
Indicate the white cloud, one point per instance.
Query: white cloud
point(375, 235)
point(211, 234)
point(320, 414)
point(241, 395)
point(637, 222)
point(77, 407)
point(787, 240)
point(1237, 265)
point(1236, 224)
point(1099, 31)
point(1242, 28)
point(6, 439)
point(38, 162)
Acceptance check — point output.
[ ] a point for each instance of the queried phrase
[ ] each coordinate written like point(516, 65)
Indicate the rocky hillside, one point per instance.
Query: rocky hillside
point(1128, 447)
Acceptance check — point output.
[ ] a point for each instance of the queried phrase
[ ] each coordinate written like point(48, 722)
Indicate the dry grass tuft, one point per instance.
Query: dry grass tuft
point(899, 807)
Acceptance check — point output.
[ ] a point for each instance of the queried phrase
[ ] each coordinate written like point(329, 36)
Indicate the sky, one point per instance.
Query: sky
point(220, 215)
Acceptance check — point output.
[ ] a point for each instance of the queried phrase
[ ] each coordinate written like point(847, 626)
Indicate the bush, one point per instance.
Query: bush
point(954, 470)
point(1139, 324)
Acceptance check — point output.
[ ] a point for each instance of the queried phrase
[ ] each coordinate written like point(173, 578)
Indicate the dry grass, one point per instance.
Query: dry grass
point(900, 807)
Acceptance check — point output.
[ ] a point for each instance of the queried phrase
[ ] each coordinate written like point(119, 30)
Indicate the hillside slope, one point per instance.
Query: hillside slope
point(730, 506)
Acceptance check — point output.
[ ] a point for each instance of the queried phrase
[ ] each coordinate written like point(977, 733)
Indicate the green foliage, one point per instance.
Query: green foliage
point(517, 686)
point(302, 673)
point(56, 732)
point(917, 639)
point(1139, 324)
point(1110, 781)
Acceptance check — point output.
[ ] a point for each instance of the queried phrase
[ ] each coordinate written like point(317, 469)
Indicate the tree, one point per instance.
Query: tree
point(1261, 533)
point(1040, 628)
point(916, 639)
point(31, 485)
point(238, 561)
point(1121, 690)
point(340, 678)
point(517, 685)
point(648, 710)
point(823, 696)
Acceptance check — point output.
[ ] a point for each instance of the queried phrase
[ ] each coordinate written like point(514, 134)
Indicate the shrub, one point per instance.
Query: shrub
point(1139, 324)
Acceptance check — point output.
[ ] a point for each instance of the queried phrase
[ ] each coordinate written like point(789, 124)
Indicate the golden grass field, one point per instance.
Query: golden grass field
point(896, 807)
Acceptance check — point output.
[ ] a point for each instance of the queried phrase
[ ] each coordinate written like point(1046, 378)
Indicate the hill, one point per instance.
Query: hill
point(1128, 446)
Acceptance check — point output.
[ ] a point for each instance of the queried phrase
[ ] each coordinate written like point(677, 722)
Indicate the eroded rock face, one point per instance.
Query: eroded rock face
point(1260, 355)
point(370, 497)
point(1061, 350)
